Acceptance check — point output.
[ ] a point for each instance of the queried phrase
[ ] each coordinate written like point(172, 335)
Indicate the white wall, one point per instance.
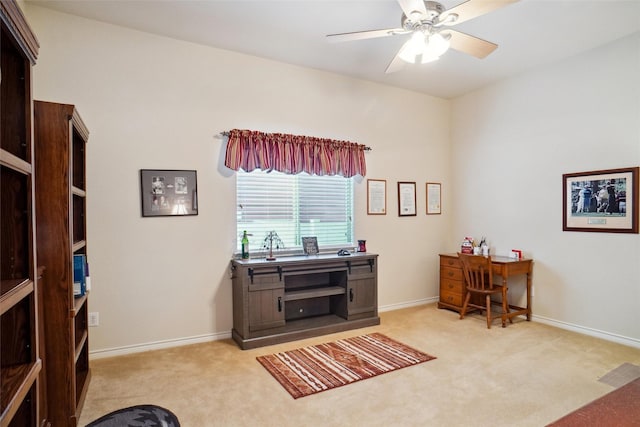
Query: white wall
point(157, 103)
point(511, 144)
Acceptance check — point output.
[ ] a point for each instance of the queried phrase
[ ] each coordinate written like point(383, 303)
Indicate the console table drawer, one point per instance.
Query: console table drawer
point(269, 281)
point(451, 273)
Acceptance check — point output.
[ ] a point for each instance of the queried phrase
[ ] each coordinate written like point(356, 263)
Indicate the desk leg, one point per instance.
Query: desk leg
point(529, 296)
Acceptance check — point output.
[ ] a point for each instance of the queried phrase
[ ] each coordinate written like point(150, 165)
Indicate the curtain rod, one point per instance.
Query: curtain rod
point(226, 133)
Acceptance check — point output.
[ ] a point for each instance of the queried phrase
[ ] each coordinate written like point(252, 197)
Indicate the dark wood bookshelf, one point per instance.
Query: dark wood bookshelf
point(60, 141)
point(20, 360)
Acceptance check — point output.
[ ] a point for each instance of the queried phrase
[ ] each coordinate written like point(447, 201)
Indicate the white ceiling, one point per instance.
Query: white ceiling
point(529, 33)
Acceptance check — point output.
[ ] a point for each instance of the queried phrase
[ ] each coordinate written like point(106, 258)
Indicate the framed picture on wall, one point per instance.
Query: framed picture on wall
point(434, 198)
point(168, 192)
point(406, 199)
point(376, 197)
point(602, 200)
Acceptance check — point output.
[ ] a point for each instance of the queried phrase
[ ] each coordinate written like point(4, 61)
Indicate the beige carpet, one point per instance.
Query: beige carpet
point(526, 374)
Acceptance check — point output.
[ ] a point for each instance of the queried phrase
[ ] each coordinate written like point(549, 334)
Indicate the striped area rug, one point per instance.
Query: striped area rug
point(317, 368)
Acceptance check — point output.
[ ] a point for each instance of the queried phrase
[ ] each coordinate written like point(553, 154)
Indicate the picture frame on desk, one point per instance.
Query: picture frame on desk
point(407, 199)
point(167, 192)
point(601, 201)
point(310, 245)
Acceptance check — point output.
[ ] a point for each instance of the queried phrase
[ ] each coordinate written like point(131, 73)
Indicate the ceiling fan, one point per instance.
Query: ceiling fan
point(429, 24)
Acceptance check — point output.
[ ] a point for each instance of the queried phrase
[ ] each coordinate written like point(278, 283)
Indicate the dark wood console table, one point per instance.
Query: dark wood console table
point(298, 297)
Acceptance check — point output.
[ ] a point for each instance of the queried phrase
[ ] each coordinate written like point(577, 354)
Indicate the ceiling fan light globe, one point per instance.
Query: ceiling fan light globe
point(435, 45)
point(413, 47)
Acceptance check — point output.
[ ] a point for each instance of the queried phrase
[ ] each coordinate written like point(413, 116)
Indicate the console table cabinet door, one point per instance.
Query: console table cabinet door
point(361, 296)
point(266, 309)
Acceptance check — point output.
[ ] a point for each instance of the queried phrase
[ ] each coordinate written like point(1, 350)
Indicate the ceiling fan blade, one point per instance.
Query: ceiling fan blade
point(472, 9)
point(470, 44)
point(409, 7)
point(396, 64)
point(362, 35)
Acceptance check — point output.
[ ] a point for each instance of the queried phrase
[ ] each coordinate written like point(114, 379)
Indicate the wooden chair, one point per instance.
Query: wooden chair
point(478, 277)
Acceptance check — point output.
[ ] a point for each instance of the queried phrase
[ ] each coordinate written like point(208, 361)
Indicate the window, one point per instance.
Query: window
point(294, 206)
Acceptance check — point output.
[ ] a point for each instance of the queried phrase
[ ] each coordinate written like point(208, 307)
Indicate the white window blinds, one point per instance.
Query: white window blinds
point(294, 206)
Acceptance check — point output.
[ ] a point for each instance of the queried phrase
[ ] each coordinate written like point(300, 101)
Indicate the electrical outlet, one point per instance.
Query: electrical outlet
point(94, 318)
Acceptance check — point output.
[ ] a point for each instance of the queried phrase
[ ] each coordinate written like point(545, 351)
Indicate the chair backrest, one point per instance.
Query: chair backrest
point(477, 271)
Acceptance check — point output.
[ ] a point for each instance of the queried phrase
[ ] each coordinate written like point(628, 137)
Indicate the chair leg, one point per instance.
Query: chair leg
point(464, 306)
point(488, 311)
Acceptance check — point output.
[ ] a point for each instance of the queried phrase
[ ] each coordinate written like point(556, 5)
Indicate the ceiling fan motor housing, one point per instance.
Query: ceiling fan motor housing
point(420, 21)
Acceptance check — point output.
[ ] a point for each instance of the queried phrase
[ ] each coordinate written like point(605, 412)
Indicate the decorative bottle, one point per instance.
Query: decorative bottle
point(245, 245)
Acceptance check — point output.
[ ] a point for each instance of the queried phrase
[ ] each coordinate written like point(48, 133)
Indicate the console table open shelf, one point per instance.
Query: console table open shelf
point(299, 297)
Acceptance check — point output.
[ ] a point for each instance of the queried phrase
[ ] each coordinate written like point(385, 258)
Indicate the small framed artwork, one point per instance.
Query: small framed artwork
point(406, 199)
point(434, 198)
point(310, 245)
point(168, 192)
point(376, 197)
point(602, 200)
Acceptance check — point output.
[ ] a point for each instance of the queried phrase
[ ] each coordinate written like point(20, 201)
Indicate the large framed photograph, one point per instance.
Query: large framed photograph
point(602, 200)
point(434, 198)
point(406, 199)
point(376, 197)
point(168, 192)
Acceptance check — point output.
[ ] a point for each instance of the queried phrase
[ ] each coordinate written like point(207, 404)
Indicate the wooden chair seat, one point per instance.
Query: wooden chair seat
point(478, 278)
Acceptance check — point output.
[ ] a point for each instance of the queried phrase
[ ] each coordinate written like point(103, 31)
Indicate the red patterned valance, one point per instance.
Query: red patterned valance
point(292, 154)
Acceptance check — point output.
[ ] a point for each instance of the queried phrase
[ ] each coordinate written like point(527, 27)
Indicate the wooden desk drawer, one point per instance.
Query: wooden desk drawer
point(449, 285)
point(450, 297)
point(450, 273)
point(446, 261)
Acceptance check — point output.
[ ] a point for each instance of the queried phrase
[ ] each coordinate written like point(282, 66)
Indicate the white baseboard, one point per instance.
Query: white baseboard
point(607, 336)
point(158, 345)
point(139, 348)
point(398, 306)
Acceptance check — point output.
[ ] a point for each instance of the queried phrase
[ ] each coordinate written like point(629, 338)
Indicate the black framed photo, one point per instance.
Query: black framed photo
point(602, 200)
point(407, 199)
point(168, 192)
point(310, 245)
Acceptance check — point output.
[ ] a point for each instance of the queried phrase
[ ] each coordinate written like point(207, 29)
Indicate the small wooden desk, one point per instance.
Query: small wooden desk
point(453, 289)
